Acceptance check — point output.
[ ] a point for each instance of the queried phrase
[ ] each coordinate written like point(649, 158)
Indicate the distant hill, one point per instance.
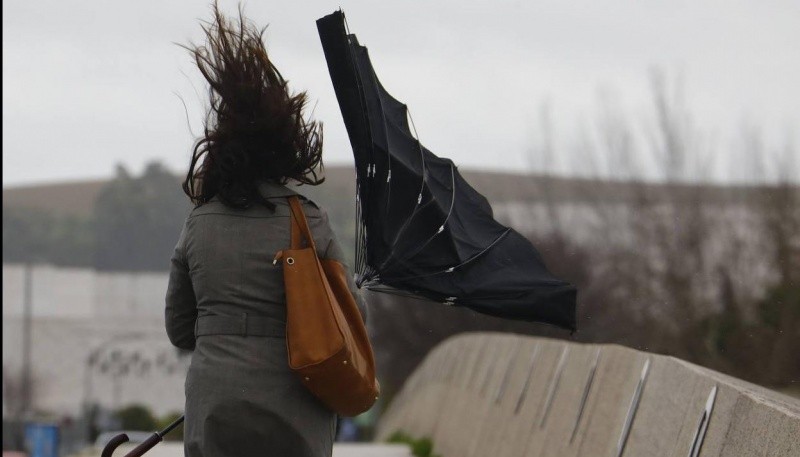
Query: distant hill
point(75, 197)
point(78, 197)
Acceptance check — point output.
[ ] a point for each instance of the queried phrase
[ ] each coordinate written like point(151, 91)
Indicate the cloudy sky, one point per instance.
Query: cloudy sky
point(90, 84)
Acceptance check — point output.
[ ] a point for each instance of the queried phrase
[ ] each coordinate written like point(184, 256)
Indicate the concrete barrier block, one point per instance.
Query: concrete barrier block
point(503, 396)
point(745, 422)
point(420, 398)
point(666, 399)
point(555, 423)
point(529, 397)
point(473, 362)
point(427, 410)
point(723, 402)
point(756, 430)
point(609, 401)
point(462, 431)
point(486, 394)
point(470, 355)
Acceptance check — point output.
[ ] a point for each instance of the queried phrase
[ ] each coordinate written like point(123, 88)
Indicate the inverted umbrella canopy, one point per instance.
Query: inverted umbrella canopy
point(422, 229)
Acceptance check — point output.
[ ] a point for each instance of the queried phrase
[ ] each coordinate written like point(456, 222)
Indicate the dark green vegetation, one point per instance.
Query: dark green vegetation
point(140, 418)
point(134, 223)
point(33, 235)
point(137, 220)
point(136, 417)
point(133, 227)
point(422, 447)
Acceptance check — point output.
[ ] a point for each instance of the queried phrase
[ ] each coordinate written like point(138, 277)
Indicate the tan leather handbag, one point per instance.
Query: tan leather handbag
point(325, 334)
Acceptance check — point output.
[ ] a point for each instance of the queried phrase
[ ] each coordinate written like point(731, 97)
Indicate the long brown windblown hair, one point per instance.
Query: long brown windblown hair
point(254, 129)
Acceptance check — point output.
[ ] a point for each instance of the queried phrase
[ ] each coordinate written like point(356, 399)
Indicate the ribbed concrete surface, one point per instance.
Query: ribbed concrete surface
point(497, 395)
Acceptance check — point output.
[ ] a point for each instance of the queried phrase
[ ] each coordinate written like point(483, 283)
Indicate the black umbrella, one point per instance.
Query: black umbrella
point(421, 228)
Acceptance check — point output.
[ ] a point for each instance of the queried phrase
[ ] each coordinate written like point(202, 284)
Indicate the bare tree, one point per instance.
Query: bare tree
point(678, 265)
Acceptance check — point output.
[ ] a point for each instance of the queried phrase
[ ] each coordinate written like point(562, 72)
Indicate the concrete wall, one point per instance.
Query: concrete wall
point(496, 395)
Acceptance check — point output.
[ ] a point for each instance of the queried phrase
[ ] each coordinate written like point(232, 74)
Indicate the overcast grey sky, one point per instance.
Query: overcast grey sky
point(89, 84)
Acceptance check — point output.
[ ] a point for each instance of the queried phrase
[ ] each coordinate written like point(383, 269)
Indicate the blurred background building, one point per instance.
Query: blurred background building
point(95, 338)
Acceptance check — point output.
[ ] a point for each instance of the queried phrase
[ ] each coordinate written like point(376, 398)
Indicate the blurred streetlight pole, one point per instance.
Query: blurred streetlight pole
point(27, 320)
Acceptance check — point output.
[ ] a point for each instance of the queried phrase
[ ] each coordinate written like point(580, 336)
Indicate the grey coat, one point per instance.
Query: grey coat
point(226, 302)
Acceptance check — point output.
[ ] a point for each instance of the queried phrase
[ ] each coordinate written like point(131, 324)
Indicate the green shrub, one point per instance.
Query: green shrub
point(422, 447)
point(136, 417)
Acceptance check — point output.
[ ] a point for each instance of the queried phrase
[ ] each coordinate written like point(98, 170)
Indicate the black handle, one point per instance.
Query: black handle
point(113, 444)
point(146, 445)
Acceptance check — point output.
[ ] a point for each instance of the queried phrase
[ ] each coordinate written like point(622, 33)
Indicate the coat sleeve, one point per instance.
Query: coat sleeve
point(181, 306)
point(334, 251)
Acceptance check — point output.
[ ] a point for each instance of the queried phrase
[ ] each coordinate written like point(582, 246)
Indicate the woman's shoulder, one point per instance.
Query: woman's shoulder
point(278, 194)
point(274, 193)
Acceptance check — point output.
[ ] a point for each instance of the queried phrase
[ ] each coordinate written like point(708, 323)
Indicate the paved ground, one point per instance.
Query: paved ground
point(370, 450)
point(172, 449)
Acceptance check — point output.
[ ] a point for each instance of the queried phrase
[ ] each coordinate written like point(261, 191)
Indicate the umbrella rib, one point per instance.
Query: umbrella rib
point(359, 241)
point(439, 230)
point(400, 232)
point(344, 19)
point(451, 269)
point(365, 210)
point(386, 138)
point(417, 206)
point(421, 156)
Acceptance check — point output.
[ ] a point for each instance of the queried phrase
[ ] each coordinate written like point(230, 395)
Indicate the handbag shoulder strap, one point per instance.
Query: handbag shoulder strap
point(299, 224)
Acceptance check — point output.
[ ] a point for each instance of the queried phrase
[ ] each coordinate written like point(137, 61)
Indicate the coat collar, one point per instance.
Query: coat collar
point(270, 189)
